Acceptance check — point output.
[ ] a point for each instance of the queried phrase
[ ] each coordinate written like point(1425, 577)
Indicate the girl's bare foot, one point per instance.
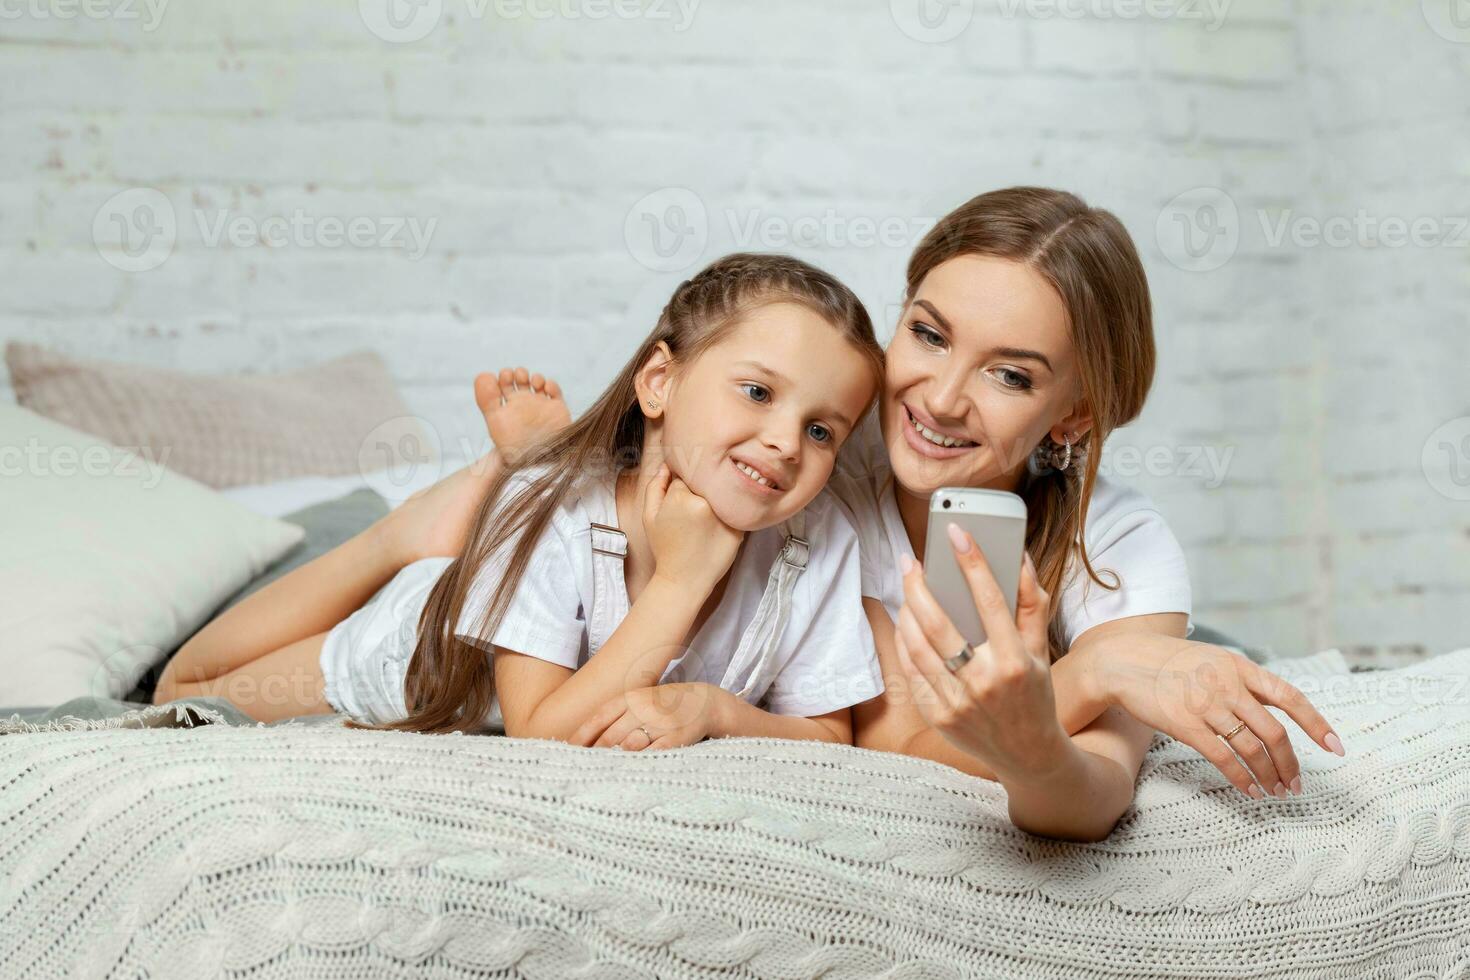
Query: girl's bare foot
point(519, 408)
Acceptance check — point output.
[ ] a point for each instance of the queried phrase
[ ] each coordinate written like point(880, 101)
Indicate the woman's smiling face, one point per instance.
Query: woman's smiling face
point(981, 367)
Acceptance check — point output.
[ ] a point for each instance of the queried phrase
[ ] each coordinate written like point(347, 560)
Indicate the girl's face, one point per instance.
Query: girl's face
point(777, 395)
point(981, 367)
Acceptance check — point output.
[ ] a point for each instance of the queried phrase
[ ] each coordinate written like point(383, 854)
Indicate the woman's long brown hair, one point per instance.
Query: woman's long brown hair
point(450, 683)
point(1088, 257)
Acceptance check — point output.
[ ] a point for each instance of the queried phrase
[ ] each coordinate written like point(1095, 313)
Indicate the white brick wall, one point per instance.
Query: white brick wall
point(1298, 385)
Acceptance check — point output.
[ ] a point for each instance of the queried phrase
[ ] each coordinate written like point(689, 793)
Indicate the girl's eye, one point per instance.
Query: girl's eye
point(1019, 383)
point(927, 335)
point(749, 385)
point(825, 433)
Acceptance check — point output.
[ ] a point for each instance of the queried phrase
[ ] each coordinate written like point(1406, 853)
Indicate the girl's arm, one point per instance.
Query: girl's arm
point(693, 550)
point(738, 717)
point(687, 713)
point(539, 699)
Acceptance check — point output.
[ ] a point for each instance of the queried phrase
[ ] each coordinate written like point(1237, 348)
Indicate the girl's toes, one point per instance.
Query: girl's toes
point(507, 381)
point(537, 383)
point(487, 392)
point(553, 390)
point(523, 378)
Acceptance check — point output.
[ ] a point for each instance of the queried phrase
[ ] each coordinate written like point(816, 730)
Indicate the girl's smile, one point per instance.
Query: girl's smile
point(759, 480)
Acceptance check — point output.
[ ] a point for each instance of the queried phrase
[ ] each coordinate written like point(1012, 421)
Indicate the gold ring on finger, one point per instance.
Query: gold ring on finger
point(1234, 731)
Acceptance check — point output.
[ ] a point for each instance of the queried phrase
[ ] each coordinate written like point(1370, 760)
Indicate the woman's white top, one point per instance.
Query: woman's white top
point(1124, 532)
point(825, 658)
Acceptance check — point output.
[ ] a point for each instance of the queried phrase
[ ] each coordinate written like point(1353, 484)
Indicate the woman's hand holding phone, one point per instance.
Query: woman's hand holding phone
point(999, 706)
point(691, 545)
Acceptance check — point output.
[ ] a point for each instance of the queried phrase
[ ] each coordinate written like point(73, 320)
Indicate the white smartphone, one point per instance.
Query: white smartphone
point(997, 521)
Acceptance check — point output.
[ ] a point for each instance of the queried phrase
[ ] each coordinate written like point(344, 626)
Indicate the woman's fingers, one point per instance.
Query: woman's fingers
point(1272, 689)
point(1272, 735)
point(1033, 610)
point(990, 602)
point(1245, 744)
point(1208, 744)
point(928, 615)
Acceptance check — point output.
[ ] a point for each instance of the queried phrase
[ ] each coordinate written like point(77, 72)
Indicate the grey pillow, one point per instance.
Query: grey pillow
point(327, 525)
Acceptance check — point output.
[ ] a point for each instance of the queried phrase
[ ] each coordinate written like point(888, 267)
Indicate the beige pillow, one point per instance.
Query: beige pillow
point(108, 560)
point(225, 430)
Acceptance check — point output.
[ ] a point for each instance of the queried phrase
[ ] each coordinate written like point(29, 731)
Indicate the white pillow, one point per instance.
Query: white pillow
point(107, 560)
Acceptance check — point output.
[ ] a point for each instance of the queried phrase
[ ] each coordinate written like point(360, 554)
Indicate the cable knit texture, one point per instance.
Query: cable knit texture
point(315, 851)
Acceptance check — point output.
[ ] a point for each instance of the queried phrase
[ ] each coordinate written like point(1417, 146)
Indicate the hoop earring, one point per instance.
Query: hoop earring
point(1045, 456)
point(1066, 460)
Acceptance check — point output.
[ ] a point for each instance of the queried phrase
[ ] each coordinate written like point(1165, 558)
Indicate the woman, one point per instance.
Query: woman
point(1026, 338)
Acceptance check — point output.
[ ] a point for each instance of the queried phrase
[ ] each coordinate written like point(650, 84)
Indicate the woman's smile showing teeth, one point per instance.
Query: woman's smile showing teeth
point(755, 479)
point(929, 442)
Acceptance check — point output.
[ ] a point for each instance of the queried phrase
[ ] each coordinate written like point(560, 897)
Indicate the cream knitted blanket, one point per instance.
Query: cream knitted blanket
point(295, 851)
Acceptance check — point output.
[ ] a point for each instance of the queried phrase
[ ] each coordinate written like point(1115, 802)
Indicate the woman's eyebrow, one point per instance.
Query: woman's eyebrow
point(1018, 352)
point(772, 372)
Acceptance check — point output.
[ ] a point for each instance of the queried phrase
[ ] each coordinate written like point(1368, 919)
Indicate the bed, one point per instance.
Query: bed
point(185, 840)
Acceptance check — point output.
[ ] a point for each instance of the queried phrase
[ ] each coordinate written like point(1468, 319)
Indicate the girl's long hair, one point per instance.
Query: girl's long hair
point(450, 681)
point(1089, 259)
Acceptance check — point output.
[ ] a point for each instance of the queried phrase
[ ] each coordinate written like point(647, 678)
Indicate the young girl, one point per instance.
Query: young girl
point(676, 533)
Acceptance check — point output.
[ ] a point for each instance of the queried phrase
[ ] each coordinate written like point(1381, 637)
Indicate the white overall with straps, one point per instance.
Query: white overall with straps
point(754, 665)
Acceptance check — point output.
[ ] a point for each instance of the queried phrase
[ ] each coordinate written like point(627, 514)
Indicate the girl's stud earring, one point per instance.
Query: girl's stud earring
point(653, 405)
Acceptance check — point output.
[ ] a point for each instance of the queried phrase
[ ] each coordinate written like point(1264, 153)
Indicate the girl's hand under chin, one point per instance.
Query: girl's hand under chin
point(691, 545)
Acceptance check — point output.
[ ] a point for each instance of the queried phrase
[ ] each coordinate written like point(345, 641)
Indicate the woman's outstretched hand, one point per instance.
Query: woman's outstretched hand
point(999, 706)
point(1197, 692)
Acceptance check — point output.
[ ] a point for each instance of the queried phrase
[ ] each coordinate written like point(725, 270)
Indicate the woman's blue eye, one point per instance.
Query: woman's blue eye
point(826, 435)
point(757, 387)
point(1022, 382)
point(926, 335)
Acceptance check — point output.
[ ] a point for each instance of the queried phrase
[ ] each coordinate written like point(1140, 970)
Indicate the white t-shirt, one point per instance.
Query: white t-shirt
point(1124, 532)
point(826, 658)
